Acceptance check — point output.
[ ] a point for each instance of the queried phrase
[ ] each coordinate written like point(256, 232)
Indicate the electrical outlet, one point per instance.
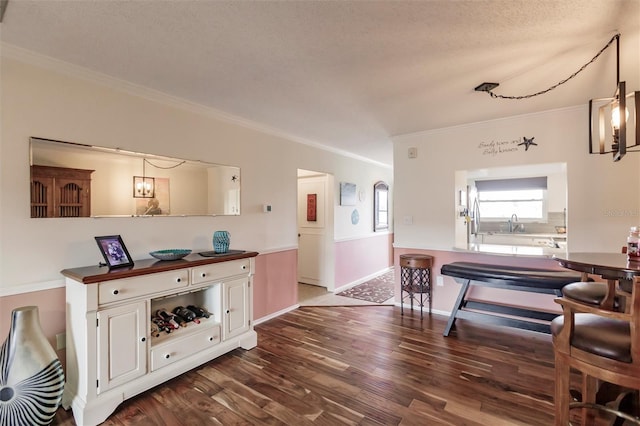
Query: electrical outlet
point(439, 281)
point(61, 341)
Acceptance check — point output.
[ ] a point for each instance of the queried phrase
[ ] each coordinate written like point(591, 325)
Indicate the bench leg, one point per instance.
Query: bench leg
point(456, 307)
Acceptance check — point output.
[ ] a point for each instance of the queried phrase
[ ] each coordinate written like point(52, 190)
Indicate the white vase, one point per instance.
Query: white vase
point(31, 376)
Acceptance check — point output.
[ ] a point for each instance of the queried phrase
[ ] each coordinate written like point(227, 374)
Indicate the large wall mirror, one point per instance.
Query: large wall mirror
point(77, 180)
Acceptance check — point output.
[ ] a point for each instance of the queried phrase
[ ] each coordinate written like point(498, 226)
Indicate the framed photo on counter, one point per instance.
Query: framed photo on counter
point(114, 251)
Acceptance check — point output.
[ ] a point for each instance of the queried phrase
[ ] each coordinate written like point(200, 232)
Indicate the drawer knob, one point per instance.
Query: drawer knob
point(211, 339)
point(244, 267)
point(178, 280)
point(228, 311)
point(144, 339)
point(167, 356)
point(203, 274)
point(115, 292)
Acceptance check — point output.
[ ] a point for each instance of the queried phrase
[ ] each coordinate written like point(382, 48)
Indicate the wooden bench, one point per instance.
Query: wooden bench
point(545, 281)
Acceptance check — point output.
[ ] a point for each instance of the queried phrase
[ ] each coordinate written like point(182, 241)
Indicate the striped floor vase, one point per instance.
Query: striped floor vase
point(31, 376)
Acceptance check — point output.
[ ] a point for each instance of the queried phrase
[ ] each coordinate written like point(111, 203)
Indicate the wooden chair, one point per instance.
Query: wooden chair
point(602, 344)
point(610, 295)
point(604, 295)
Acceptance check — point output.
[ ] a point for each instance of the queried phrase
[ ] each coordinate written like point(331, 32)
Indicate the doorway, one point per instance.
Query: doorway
point(315, 229)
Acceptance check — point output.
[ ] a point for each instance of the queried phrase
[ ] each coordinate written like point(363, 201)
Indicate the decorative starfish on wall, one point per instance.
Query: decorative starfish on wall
point(527, 142)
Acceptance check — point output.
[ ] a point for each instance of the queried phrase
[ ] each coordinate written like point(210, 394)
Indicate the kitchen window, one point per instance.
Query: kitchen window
point(500, 199)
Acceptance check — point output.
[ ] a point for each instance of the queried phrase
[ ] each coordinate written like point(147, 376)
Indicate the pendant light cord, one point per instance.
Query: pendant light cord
point(165, 168)
point(614, 38)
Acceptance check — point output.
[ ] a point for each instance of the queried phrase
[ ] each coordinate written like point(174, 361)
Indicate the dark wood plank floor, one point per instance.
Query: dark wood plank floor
point(360, 366)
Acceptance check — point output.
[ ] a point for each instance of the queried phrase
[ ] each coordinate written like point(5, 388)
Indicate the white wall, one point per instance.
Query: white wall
point(603, 197)
point(37, 100)
point(364, 180)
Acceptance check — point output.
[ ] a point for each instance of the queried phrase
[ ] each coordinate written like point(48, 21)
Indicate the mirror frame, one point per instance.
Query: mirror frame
point(378, 189)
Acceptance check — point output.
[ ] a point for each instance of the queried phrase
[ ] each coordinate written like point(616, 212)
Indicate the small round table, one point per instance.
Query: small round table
point(415, 280)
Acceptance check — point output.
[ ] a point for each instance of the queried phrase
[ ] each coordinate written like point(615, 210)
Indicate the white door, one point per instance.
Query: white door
point(312, 232)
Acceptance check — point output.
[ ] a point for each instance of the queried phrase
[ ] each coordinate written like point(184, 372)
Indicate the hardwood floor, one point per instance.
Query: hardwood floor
point(360, 366)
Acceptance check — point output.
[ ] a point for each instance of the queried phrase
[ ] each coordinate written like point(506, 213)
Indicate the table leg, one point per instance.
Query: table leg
point(457, 306)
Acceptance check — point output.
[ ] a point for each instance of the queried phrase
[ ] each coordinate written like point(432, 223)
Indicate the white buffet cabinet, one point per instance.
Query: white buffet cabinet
point(111, 352)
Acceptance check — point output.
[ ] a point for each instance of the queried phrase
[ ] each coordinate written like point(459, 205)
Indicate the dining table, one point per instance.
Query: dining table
point(616, 268)
point(610, 266)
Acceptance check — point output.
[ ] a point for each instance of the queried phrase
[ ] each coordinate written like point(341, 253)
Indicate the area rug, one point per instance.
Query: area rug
point(377, 290)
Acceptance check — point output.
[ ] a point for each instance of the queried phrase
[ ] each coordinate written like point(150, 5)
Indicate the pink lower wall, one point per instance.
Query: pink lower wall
point(275, 283)
point(444, 297)
point(51, 308)
point(359, 258)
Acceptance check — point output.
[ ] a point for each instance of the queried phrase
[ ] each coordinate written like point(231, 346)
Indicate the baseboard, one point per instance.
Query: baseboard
point(276, 314)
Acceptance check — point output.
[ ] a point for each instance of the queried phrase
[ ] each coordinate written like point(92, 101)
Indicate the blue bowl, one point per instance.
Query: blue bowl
point(170, 254)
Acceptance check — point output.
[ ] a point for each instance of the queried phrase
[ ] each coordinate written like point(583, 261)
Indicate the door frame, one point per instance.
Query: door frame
point(327, 269)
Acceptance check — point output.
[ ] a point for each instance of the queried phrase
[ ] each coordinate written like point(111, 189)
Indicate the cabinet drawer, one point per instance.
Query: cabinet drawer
point(126, 288)
point(183, 347)
point(216, 271)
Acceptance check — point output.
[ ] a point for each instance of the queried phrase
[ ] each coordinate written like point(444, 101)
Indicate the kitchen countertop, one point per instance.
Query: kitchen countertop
point(513, 250)
point(526, 235)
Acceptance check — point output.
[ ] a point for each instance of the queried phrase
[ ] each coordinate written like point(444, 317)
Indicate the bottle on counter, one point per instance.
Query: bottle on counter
point(633, 244)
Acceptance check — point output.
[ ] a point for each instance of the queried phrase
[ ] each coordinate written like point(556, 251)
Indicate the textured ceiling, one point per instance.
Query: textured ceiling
point(345, 74)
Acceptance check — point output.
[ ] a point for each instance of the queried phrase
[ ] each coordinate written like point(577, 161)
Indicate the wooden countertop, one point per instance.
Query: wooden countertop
point(95, 274)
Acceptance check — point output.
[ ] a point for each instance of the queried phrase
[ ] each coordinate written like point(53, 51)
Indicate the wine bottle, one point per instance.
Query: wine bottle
point(200, 312)
point(154, 329)
point(185, 313)
point(168, 318)
point(162, 325)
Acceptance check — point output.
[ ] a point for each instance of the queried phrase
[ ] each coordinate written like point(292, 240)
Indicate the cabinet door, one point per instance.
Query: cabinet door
point(72, 197)
point(122, 345)
point(42, 197)
point(236, 307)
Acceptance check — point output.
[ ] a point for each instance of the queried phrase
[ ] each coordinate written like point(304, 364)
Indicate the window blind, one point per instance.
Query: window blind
point(512, 184)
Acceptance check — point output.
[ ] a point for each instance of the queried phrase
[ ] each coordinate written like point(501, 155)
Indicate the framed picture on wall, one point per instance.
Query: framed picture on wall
point(347, 194)
point(312, 201)
point(114, 251)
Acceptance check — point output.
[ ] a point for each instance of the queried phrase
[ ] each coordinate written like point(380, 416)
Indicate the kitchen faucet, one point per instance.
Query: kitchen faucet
point(514, 218)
